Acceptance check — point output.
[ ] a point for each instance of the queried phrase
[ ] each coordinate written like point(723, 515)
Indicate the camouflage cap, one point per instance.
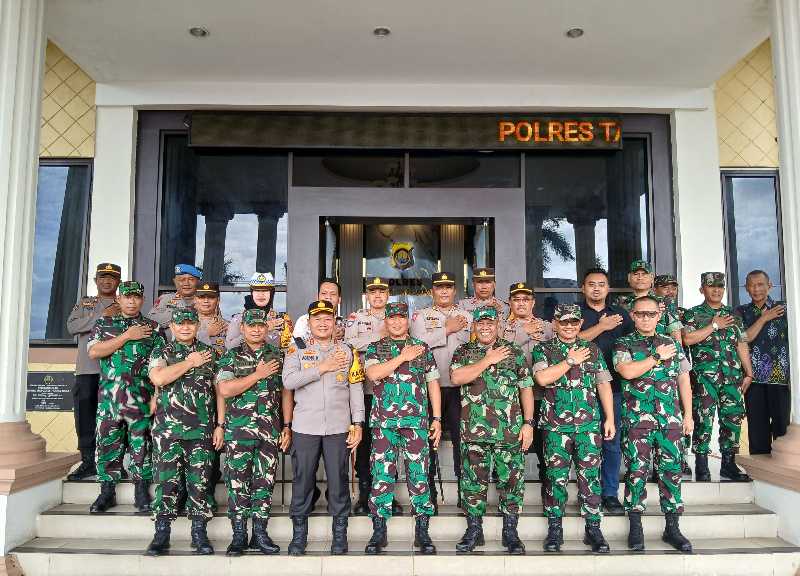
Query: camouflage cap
point(518, 287)
point(712, 279)
point(131, 288)
point(641, 265)
point(484, 313)
point(377, 282)
point(483, 274)
point(254, 316)
point(262, 280)
point(396, 309)
point(108, 268)
point(665, 280)
point(320, 307)
point(567, 312)
point(207, 289)
point(443, 279)
point(185, 315)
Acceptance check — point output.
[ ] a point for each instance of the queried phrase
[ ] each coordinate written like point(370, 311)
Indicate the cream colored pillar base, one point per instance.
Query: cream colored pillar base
point(782, 467)
point(24, 462)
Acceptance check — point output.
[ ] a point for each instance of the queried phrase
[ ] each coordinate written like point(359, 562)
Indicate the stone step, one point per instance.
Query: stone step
point(700, 521)
point(694, 493)
point(88, 557)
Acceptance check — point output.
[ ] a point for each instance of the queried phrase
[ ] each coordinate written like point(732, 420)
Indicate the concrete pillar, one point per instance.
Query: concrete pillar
point(351, 256)
point(267, 241)
point(214, 249)
point(23, 460)
point(452, 253)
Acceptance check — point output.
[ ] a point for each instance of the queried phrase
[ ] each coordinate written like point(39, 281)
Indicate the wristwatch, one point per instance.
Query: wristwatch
point(571, 361)
point(287, 424)
point(220, 425)
point(437, 418)
point(531, 423)
point(359, 424)
point(715, 326)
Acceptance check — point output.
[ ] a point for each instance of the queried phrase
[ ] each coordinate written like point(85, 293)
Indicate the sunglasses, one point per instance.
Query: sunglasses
point(649, 314)
point(570, 322)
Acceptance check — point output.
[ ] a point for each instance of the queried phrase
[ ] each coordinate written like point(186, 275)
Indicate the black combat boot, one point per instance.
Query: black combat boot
point(555, 535)
point(107, 498)
point(510, 537)
point(160, 542)
point(730, 470)
point(701, 471)
point(263, 542)
point(200, 541)
point(141, 495)
point(297, 547)
point(686, 470)
point(635, 532)
point(379, 540)
point(672, 534)
point(422, 539)
point(339, 540)
point(473, 535)
point(238, 543)
point(361, 507)
point(86, 469)
point(594, 537)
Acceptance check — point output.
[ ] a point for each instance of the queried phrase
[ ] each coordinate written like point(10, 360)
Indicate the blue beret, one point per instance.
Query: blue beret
point(188, 269)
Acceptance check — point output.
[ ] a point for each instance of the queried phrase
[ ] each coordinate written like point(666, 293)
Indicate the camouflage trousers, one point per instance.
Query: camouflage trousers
point(645, 447)
point(387, 444)
point(722, 393)
point(115, 435)
point(182, 464)
point(508, 461)
point(561, 450)
point(250, 467)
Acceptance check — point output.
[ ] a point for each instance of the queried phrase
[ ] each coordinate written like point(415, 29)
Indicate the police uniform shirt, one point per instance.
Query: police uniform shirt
point(80, 323)
point(362, 329)
point(514, 331)
point(324, 404)
point(161, 311)
point(428, 325)
point(473, 303)
point(217, 342)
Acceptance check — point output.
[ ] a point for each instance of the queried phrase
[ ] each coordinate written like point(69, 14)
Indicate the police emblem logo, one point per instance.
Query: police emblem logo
point(109, 267)
point(444, 277)
point(307, 365)
point(320, 304)
point(340, 377)
point(262, 278)
point(520, 285)
point(205, 286)
point(483, 273)
point(377, 280)
point(402, 256)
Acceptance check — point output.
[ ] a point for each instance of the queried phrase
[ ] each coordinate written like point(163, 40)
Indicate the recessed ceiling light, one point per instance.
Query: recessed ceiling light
point(574, 32)
point(198, 31)
point(381, 31)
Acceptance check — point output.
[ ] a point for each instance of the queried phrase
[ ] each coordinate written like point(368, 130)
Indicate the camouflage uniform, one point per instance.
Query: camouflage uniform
point(233, 334)
point(252, 431)
point(651, 421)
point(670, 321)
point(491, 419)
point(123, 411)
point(718, 372)
point(399, 422)
point(182, 428)
point(570, 420)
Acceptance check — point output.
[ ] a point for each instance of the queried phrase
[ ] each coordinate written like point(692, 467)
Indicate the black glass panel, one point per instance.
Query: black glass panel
point(584, 210)
point(464, 170)
point(346, 169)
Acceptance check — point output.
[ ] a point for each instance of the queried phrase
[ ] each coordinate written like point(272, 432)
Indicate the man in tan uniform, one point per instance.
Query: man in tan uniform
point(80, 323)
point(444, 327)
point(484, 286)
point(526, 331)
point(362, 329)
point(213, 327)
point(186, 279)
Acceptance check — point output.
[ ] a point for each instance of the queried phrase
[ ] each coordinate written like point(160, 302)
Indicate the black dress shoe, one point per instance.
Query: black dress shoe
point(611, 505)
point(86, 469)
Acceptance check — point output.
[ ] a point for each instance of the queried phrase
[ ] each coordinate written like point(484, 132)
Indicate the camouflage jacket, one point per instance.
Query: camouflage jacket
point(669, 322)
point(490, 406)
point(124, 385)
point(717, 353)
point(652, 399)
point(255, 414)
point(186, 407)
point(570, 404)
point(401, 399)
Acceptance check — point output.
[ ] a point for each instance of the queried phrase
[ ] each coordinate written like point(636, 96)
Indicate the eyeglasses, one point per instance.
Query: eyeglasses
point(649, 314)
point(570, 322)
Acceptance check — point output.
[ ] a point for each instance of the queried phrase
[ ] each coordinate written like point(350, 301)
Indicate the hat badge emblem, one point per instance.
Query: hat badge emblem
point(261, 278)
point(108, 267)
point(519, 285)
point(444, 277)
point(205, 286)
point(378, 280)
point(482, 273)
point(320, 305)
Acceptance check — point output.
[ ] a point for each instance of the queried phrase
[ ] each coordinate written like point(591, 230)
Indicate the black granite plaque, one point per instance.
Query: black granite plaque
point(49, 392)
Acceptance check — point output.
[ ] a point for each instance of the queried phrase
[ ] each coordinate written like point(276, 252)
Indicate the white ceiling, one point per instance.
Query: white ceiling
point(687, 43)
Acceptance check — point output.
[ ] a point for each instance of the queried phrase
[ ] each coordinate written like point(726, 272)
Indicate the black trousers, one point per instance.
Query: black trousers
point(451, 421)
point(363, 450)
point(306, 451)
point(84, 397)
point(768, 408)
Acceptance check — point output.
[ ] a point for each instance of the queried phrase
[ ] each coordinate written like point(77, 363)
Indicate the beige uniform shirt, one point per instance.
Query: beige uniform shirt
point(428, 325)
point(362, 329)
point(472, 303)
point(80, 323)
point(514, 331)
point(324, 404)
point(162, 310)
point(216, 342)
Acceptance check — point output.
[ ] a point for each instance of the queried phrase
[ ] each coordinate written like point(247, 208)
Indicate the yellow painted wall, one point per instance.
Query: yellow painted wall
point(68, 131)
point(746, 121)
